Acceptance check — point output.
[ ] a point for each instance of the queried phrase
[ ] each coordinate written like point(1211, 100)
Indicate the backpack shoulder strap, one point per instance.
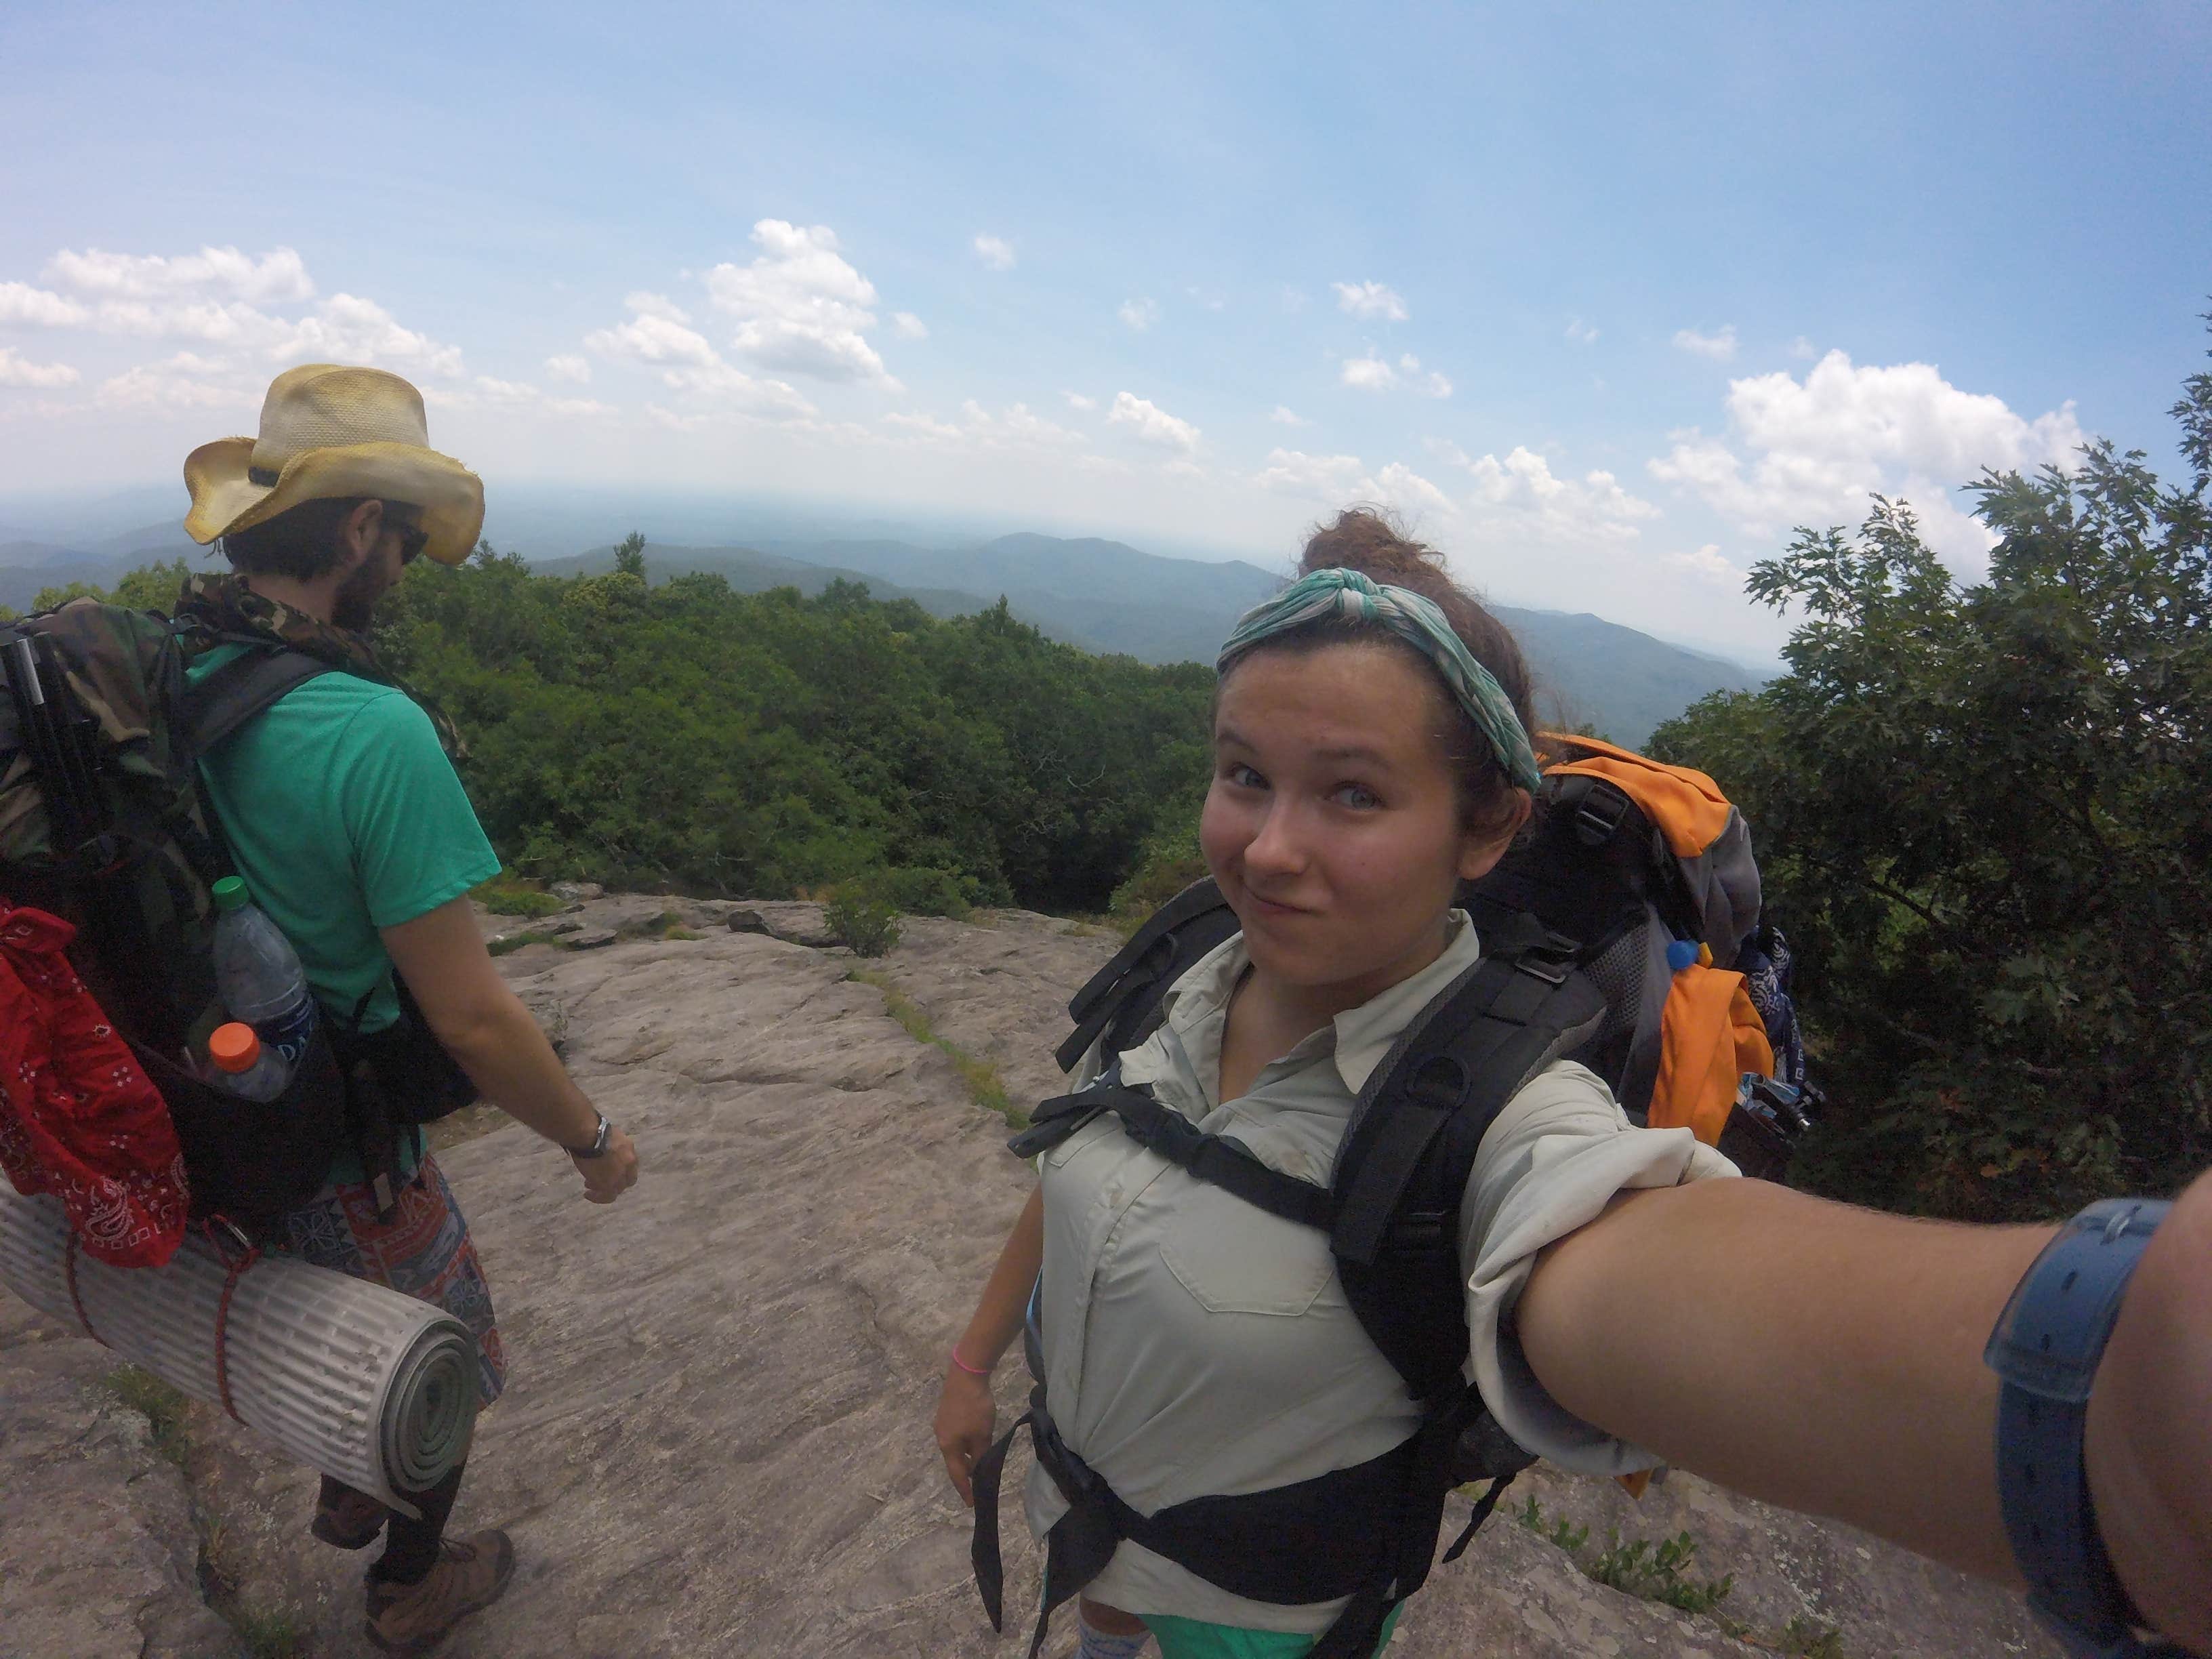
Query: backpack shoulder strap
point(1124, 993)
point(1405, 1165)
point(245, 686)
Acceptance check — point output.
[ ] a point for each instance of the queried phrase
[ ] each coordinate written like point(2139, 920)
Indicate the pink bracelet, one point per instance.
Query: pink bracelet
point(972, 1371)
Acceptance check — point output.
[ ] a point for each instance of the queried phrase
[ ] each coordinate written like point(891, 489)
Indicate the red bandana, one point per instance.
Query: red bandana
point(78, 1118)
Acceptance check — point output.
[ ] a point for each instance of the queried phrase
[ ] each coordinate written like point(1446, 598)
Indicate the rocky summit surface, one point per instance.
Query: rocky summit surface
point(715, 1438)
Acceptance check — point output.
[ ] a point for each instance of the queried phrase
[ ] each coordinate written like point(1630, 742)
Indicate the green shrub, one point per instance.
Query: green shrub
point(1168, 860)
point(506, 895)
point(865, 922)
point(1656, 1571)
point(921, 892)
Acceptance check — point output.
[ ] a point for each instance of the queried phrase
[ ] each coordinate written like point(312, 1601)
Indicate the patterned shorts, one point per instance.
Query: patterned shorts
point(424, 1251)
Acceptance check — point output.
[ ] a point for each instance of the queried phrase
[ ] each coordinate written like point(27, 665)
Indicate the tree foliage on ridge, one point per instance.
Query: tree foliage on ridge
point(1982, 815)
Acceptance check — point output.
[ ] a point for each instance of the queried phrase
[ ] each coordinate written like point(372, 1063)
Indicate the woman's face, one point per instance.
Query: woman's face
point(1333, 823)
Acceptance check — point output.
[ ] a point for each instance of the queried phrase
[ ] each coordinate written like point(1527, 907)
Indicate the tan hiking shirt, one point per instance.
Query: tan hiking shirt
point(1196, 1345)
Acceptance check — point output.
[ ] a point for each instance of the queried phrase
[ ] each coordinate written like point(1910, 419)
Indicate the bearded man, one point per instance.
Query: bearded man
point(343, 813)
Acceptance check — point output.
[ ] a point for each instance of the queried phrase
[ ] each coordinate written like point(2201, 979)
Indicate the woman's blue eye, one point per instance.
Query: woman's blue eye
point(1242, 776)
point(1357, 795)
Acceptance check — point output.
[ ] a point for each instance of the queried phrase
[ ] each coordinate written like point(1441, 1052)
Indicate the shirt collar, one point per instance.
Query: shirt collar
point(1196, 1009)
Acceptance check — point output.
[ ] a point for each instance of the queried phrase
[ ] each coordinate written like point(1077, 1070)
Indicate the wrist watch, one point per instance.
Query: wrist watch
point(598, 1146)
point(2045, 1348)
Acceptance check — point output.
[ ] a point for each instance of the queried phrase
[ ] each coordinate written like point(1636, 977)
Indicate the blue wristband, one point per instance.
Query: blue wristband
point(2046, 1347)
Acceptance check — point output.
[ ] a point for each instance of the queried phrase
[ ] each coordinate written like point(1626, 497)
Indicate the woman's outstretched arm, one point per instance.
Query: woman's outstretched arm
point(1829, 1359)
point(965, 1411)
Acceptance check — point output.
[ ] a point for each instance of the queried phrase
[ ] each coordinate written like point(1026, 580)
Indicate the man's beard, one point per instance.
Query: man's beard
point(355, 607)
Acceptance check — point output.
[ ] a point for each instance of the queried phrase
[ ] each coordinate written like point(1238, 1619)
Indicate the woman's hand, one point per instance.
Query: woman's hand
point(966, 1414)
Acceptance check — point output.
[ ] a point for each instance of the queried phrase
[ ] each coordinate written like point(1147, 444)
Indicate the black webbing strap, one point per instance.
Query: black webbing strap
point(230, 696)
point(1214, 1160)
point(1177, 935)
point(1312, 1540)
point(1454, 1064)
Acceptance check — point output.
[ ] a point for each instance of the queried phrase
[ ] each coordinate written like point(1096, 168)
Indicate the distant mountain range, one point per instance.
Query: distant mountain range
point(1103, 596)
point(1108, 596)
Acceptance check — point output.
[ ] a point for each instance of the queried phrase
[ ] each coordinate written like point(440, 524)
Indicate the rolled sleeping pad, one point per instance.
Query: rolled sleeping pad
point(370, 1387)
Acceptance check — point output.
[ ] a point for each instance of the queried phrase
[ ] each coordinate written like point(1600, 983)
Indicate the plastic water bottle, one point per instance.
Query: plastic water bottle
point(242, 1066)
point(258, 975)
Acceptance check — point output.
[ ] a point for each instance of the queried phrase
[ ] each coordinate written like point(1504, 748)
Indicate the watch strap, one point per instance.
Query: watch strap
point(2045, 1348)
point(598, 1146)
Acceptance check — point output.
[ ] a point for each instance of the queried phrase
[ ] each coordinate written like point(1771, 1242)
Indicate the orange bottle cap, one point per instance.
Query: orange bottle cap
point(234, 1046)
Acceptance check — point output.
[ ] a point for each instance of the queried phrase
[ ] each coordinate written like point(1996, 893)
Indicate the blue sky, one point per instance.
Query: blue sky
point(1605, 300)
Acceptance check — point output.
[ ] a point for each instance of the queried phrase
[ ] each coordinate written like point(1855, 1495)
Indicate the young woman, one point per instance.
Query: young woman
point(1624, 1305)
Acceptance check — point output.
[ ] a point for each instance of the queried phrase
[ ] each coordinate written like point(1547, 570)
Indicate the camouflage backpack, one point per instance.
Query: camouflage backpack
point(103, 822)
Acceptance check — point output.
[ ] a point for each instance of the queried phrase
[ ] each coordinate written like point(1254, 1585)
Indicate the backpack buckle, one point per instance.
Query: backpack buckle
point(1599, 813)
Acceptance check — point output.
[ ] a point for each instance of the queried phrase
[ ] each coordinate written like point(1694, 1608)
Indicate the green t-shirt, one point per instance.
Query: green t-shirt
point(344, 815)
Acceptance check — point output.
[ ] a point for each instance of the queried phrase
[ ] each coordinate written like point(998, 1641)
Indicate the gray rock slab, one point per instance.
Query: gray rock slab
point(99, 1557)
point(716, 1435)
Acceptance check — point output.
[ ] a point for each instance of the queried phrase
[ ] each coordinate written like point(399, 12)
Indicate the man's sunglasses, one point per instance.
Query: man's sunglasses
point(413, 538)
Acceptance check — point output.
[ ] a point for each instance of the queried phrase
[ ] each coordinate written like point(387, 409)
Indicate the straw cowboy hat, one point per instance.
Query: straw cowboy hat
point(330, 431)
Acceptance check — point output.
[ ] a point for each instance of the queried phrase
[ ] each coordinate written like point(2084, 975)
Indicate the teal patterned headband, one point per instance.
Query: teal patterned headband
point(1419, 622)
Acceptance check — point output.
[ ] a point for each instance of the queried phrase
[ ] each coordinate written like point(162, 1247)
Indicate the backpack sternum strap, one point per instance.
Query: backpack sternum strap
point(1214, 1160)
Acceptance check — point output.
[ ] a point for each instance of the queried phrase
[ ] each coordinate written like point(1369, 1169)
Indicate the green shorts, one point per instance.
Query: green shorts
point(1194, 1639)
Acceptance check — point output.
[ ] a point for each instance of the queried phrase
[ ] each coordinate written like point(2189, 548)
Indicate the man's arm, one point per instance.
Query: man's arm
point(1828, 1359)
point(484, 1026)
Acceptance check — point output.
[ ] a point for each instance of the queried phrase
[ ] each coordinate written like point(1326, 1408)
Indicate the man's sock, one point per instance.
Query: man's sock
point(1097, 1645)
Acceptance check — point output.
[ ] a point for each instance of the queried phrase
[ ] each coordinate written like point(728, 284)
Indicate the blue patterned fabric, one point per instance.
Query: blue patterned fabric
point(1419, 622)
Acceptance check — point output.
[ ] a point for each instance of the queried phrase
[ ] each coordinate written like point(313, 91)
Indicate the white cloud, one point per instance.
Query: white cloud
point(1520, 499)
point(276, 277)
point(21, 303)
point(925, 426)
point(910, 326)
point(1078, 401)
point(1369, 373)
point(1719, 347)
point(1153, 423)
point(215, 297)
point(578, 406)
point(347, 329)
point(1336, 480)
point(730, 385)
point(800, 306)
point(1017, 426)
point(183, 382)
point(1372, 374)
point(1811, 451)
point(1803, 348)
point(652, 337)
point(15, 370)
point(568, 367)
point(995, 251)
point(1707, 565)
point(645, 303)
point(688, 362)
point(672, 421)
point(1283, 416)
point(1372, 300)
point(1138, 314)
point(1580, 333)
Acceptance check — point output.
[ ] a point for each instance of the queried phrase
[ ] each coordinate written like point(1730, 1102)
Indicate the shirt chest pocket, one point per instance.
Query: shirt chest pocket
point(1234, 1258)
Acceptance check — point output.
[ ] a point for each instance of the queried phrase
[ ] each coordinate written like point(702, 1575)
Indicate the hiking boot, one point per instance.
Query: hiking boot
point(412, 1618)
point(350, 1521)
